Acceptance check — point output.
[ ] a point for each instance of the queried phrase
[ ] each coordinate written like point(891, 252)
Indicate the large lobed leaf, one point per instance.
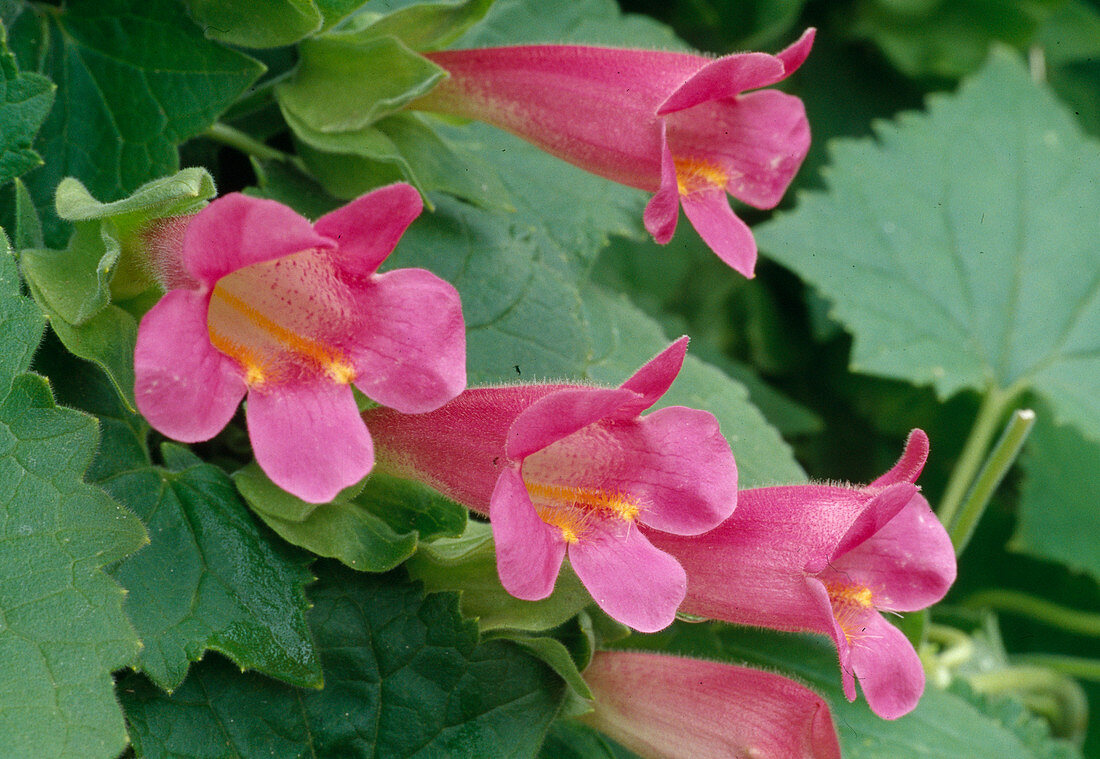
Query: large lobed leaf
point(211, 577)
point(25, 99)
point(62, 628)
point(135, 78)
point(960, 247)
point(404, 677)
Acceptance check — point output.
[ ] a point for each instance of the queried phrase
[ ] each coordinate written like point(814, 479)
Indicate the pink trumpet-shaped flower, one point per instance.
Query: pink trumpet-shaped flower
point(263, 303)
point(679, 125)
point(666, 707)
point(566, 469)
point(828, 559)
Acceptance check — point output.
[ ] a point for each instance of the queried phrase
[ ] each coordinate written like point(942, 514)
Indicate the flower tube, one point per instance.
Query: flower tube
point(681, 126)
point(828, 559)
point(575, 470)
point(262, 303)
point(667, 707)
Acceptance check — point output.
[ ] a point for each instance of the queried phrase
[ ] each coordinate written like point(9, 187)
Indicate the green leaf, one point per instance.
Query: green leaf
point(573, 740)
point(960, 249)
point(402, 147)
point(25, 99)
point(342, 84)
point(1058, 518)
point(404, 677)
point(426, 26)
point(948, 39)
point(943, 724)
point(372, 531)
point(256, 23)
point(136, 78)
point(63, 627)
point(468, 564)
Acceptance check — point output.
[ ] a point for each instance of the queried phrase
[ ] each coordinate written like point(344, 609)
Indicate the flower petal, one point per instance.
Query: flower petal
point(828, 625)
point(725, 234)
point(654, 378)
point(680, 467)
point(880, 509)
point(725, 77)
point(237, 231)
point(796, 53)
point(410, 351)
point(910, 464)
point(529, 553)
point(631, 580)
point(663, 210)
point(368, 228)
point(309, 439)
point(909, 563)
point(559, 415)
point(889, 670)
point(185, 387)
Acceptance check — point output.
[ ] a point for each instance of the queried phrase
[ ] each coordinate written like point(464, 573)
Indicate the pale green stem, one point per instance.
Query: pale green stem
point(1060, 698)
point(235, 138)
point(1015, 602)
point(1074, 666)
point(956, 646)
point(993, 407)
point(998, 463)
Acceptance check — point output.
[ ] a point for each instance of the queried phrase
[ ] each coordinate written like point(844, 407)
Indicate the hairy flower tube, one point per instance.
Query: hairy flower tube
point(828, 559)
point(679, 125)
point(567, 469)
point(668, 707)
point(262, 303)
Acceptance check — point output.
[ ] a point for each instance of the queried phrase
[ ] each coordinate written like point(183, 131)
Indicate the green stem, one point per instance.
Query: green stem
point(235, 138)
point(1074, 666)
point(981, 434)
point(998, 463)
point(1015, 602)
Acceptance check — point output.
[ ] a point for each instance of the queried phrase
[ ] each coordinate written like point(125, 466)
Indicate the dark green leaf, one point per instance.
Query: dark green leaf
point(25, 99)
point(404, 677)
point(426, 26)
point(135, 78)
point(256, 23)
point(63, 627)
point(593, 22)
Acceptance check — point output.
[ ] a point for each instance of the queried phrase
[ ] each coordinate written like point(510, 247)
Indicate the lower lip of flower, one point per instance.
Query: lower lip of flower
point(696, 174)
point(575, 510)
point(850, 605)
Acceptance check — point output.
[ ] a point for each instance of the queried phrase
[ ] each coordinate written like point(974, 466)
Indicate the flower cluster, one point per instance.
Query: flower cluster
point(262, 304)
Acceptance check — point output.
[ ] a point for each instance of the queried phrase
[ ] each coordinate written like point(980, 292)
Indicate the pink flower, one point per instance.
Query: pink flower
point(666, 707)
point(566, 469)
point(682, 126)
point(263, 303)
point(828, 559)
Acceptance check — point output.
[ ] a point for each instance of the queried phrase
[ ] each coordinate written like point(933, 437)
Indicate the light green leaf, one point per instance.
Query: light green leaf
point(468, 564)
point(405, 676)
point(256, 23)
point(943, 724)
point(25, 99)
point(373, 530)
point(343, 84)
point(424, 26)
point(960, 248)
point(63, 628)
point(556, 655)
point(1058, 515)
point(136, 78)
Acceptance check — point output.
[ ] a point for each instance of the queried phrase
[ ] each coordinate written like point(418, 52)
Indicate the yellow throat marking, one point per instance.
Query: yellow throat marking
point(695, 174)
point(572, 510)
